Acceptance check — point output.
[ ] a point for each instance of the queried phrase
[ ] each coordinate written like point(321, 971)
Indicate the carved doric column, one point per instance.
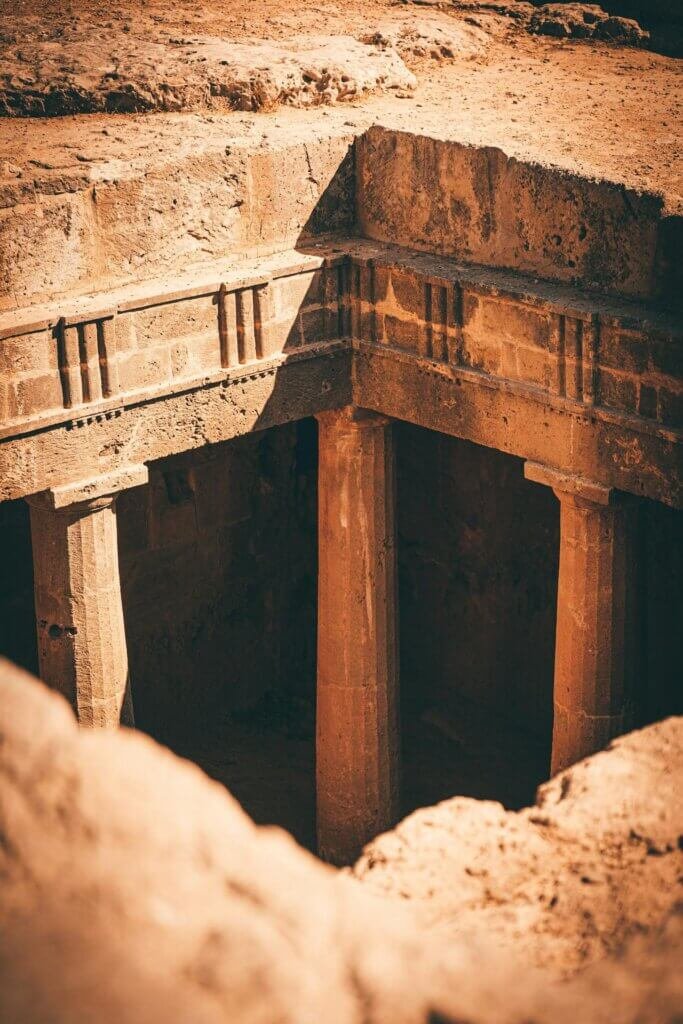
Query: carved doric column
point(357, 715)
point(594, 647)
point(81, 637)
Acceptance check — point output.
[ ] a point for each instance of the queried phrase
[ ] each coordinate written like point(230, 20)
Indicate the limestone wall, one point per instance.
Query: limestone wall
point(159, 342)
point(80, 229)
point(481, 206)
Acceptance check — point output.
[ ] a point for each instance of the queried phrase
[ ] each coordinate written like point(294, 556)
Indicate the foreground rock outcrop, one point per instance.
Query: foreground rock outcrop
point(595, 863)
point(134, 890)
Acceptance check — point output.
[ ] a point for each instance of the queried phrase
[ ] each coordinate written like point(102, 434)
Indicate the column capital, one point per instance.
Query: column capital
point(95, 492)
point(354, 417)
point(569, 486)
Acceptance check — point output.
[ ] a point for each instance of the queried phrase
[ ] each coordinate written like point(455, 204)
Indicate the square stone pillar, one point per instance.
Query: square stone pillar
point(357, 752)
point(81, 637)
point(595, 635)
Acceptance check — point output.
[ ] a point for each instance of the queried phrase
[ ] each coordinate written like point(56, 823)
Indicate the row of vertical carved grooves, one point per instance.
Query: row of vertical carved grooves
point(395, 306)
point(268, 317)
point(336, 298)
point(241, 317)
point(576, 342)
point(438, 314)
point(87, 364)
point(444, 320)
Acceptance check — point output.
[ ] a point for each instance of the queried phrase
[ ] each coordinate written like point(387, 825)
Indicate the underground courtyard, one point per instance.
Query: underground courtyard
point(340, 423)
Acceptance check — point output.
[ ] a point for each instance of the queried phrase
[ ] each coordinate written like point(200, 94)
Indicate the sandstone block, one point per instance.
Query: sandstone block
point(483, 207)
point(157, 325)
point(617, 391)
point(35, 395)
point(143, 369)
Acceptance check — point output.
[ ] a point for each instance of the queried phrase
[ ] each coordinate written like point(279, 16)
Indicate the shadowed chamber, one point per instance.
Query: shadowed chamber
point(478, 591)
point(218, 571)
point(218, 566)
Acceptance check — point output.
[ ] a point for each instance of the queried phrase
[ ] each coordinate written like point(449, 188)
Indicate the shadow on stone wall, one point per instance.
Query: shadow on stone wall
point(218, 565)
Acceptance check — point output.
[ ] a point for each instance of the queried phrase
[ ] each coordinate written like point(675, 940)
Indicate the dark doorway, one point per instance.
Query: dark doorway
point(219, 566)
point(18, 640)
point(478, 550)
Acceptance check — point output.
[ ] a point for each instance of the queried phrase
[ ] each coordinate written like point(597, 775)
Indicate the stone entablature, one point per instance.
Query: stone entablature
point(571, 345)
point(568, 357)
point(91, 360)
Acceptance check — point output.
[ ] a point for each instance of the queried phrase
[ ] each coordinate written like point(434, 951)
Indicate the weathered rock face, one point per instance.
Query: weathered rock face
point(594, 863)
point(94, 219)
point(655, 24)
point(133, 890)
point(481, 206)
point(73, 72)
point(431, 37)
point(585, 21)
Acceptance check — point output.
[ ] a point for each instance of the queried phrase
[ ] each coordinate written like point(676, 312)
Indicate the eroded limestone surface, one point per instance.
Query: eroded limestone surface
point(49, 69)
point(135, 890)
point(119, 74)
point(563, 20)
point(585, 21)
point(594, 863)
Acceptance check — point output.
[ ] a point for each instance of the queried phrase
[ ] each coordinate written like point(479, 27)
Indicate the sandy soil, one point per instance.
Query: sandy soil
point(603, 110)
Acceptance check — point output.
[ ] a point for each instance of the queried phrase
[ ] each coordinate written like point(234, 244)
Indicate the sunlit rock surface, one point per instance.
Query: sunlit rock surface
point(596, 862)
point(135, 890)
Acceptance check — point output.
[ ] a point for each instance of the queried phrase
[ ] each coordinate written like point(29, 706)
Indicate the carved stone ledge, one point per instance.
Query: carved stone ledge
point(567, 483)
point(94, 489)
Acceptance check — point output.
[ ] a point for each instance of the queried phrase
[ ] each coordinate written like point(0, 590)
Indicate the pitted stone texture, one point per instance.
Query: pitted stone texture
point(72, 72)
point(595, 862)
point(481, 206)
point(586, 21)
point(428, 37)
point(134, 890)
point(90, 220)
point(564, 20)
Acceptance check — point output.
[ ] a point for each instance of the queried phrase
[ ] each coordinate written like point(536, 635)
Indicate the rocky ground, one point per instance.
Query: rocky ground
point(133, 889)
point(150, 62)
point(92, 200)
point(466, 70)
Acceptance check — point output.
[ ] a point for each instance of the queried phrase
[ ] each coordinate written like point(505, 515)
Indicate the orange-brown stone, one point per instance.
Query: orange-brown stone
point(81, 636)
point(357, 713)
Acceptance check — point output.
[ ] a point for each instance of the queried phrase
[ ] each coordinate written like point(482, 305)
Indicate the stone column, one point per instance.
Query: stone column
point(81, 637)
point(357, 754)
point(595, 638)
